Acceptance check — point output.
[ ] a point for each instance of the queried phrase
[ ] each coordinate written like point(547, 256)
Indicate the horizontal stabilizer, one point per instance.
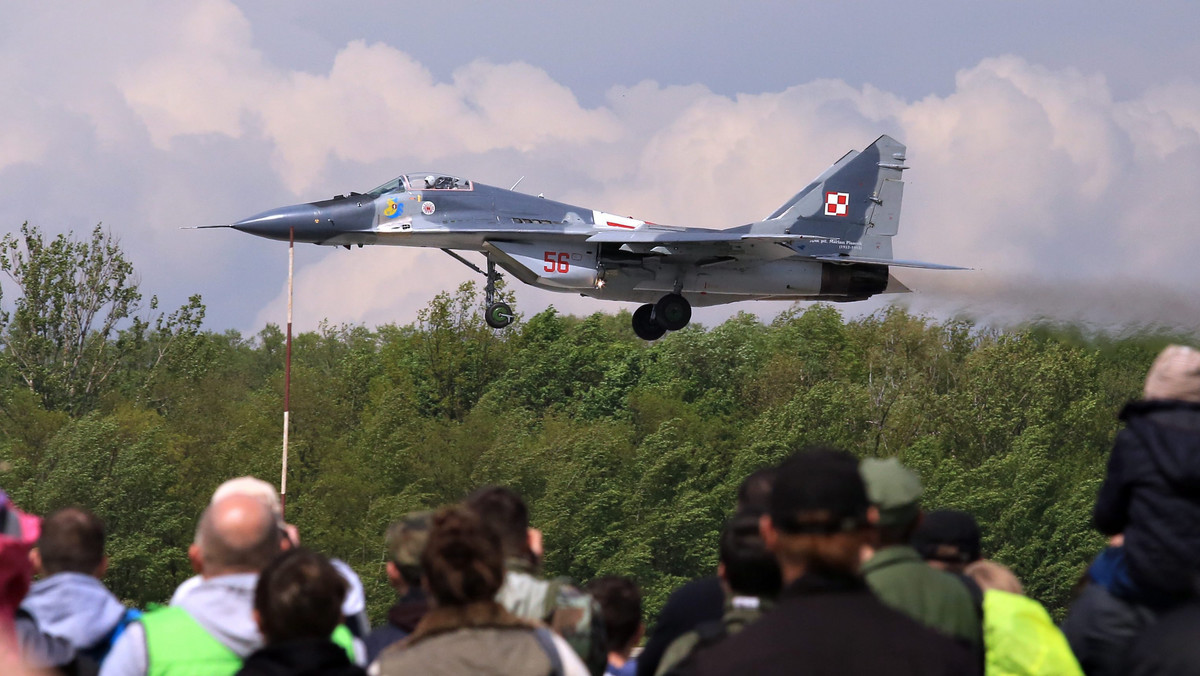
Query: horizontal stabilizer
point(889, 261)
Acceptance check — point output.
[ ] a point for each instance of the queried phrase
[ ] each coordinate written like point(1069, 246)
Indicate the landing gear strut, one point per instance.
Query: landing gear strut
point(671, 313)
point(497, 315)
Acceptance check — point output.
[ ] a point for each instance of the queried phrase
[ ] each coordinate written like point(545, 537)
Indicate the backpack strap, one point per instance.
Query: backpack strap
point(546, 641)
point(550, 601)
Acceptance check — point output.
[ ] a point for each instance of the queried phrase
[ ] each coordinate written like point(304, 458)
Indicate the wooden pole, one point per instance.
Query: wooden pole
point(287, 373)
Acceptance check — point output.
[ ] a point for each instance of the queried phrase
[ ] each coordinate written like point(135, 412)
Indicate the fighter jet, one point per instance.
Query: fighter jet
point(832, 241)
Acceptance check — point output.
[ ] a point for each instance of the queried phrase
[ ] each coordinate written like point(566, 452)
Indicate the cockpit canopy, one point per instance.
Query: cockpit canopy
point(420, 182)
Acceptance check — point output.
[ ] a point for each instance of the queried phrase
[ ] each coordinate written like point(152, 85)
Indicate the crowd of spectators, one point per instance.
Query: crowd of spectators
point(828, 565)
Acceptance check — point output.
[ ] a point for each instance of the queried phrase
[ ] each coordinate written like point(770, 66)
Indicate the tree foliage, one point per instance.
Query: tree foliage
point(628, 453)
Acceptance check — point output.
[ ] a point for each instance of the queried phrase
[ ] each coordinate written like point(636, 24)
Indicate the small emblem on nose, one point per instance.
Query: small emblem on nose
point(427, 208)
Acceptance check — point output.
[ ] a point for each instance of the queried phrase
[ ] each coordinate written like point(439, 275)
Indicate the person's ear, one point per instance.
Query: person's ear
point(35, 560)
point(257, 619)
point(873, 516)
point(194, 555)
point(766, 528)
point(534, 538)
point(395, 579)
point(101, 569)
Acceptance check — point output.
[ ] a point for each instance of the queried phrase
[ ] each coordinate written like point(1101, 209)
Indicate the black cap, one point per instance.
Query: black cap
point(948, 535)
point(819, 490)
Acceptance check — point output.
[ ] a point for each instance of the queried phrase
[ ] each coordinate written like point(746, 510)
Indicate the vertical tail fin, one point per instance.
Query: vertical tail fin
point(855, 200)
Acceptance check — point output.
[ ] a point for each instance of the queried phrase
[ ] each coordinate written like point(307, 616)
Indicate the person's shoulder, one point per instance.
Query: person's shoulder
point(703, 592)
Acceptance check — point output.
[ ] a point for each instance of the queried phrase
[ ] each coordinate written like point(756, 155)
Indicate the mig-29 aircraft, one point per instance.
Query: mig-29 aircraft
point(832, 241)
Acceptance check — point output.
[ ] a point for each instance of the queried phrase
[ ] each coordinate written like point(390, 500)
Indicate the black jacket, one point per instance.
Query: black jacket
point(402, 619)
point(1170, 648)
point(835, 626)
point(688, 607)
point(300, 657)
point(1152, 495)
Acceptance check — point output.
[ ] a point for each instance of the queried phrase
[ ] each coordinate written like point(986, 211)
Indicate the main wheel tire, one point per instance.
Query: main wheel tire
point(498, 315)
point(644, 325)
point(673, 312)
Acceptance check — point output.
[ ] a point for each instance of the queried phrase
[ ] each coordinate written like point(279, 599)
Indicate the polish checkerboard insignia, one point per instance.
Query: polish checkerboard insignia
point(837, 203)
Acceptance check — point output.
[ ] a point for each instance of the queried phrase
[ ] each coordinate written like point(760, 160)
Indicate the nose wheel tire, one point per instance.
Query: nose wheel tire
point(644, 325)
point(498, 315)
point(672, 312)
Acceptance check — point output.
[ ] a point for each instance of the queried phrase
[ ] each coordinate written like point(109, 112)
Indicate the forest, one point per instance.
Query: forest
point(628, 452)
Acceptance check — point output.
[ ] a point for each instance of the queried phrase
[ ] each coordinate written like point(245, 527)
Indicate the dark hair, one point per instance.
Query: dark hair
point(72, 540)
point(754, 494)
point(621, 605)
point(750, 568)
point(462, 562)
point(503, 510)
point(299, 595)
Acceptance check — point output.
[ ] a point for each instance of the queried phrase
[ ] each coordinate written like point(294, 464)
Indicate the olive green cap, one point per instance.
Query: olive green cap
point(893, 488)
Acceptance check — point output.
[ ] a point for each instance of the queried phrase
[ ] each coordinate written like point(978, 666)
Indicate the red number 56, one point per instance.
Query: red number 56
point(557, 262)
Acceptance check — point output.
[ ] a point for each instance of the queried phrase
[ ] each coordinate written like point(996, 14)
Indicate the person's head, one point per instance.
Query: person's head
point(746, 565)
point(992, 575)
point(298, 595)
point(505, 513)
point(948, 540)
point(754, 494)
point(1175, 375)
point(896, 491)
point(621, 605)
point(820, 517)
point(463, 562)
point(264, 491)
point(405, 542)
point(71, 541)
point(237, 534)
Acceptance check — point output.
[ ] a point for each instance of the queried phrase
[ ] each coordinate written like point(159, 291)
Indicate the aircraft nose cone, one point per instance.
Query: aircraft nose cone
point(276, 223)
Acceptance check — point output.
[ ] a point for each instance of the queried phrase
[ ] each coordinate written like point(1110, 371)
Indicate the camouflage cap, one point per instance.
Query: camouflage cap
point(893, 488)
point(406, 538)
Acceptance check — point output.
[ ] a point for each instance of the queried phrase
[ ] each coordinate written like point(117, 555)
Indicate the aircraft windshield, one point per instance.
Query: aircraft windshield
point(437, 182)
point(391, 186)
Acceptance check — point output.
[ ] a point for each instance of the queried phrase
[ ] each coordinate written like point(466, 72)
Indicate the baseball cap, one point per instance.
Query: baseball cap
point(893, 488)
point(948, 535)
point(819, 491)
point(406, 538)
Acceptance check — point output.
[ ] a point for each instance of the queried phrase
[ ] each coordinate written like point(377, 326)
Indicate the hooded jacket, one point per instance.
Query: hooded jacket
point(1152, 494)
point(73, 607)
point(222, 605)
point(301, 657)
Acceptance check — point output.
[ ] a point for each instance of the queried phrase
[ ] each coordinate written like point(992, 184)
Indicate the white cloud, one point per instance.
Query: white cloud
point(174, 114)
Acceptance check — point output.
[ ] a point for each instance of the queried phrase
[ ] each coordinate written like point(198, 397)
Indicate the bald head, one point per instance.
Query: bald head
point(237, 534)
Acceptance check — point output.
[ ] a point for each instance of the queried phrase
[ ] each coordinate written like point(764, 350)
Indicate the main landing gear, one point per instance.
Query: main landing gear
point(671, 313)
point(497, 315)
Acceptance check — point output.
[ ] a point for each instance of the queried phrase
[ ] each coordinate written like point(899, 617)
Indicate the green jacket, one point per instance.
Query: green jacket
point(934, 598)
point(1020, 639)
point(176, 645)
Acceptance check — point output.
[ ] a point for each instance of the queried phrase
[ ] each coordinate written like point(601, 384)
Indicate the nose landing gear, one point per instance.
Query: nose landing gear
point(672, 312)
point(497, 315)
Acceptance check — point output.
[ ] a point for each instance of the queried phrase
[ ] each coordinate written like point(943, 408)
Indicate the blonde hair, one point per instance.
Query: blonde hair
point(992, 575)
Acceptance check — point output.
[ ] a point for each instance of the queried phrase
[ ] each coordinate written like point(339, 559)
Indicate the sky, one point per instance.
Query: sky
point(1053, 146)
